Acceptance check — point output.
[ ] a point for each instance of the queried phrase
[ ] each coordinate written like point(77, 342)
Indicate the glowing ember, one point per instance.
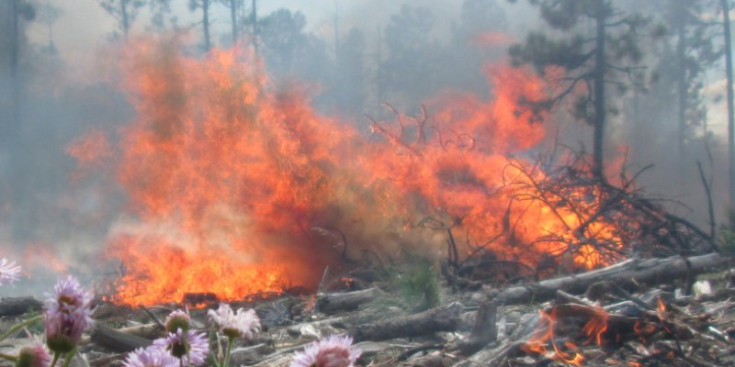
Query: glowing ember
point(227, 178)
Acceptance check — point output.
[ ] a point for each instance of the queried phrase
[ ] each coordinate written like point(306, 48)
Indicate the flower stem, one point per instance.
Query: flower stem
point(14, 329)
point(230, 341)
point(69, 357)
point(56, 358)
point(8, 357)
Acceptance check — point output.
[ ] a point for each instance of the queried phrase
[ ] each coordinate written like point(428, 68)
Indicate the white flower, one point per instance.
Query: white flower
point(243, 324)
point(334, 351)
point(9, 271)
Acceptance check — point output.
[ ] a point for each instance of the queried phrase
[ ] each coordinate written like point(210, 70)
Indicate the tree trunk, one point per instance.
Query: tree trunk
point(20, 221)
point(205, 23)
point(681, 81)
point(254, 20)
point(125, 18)
point(730, 111)
point(599, 90)
point(233, 18)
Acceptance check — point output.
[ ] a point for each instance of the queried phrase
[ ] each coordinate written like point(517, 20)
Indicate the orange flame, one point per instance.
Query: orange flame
point(594, 328)
point(227, 178)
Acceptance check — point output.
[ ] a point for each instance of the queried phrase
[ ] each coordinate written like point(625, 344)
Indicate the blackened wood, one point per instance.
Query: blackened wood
point(347, 301)
point(18, 306)
point(117, 341)
point(625, 274)
point(424, 323)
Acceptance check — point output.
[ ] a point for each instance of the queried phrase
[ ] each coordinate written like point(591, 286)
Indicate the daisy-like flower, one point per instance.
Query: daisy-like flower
point(9, 271)
point(68, 315)
point(152, 356)
point(189, 346)
point(33, 356)
point(178, 320)
point(240, 324)
point(334, 351)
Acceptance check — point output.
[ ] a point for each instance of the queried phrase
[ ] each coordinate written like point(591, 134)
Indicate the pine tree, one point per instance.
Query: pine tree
point(610, 56)
point(124, 12)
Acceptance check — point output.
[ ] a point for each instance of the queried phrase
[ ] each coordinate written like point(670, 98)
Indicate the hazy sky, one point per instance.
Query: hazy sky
point(84, 25)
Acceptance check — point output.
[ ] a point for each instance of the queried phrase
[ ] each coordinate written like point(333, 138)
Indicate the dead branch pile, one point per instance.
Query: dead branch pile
point(603, 224)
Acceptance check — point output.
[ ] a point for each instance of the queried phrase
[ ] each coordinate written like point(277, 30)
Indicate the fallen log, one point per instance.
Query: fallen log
point(117, 341)
point(626, 274)
point(347, 301)
point(424, 323)
point(18, 306)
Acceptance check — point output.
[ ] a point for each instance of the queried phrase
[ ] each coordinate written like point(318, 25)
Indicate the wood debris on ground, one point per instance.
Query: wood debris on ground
point(637, 313)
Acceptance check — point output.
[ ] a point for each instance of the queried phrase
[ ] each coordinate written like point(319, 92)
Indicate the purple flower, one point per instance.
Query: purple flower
point(178, 320)
point(242, 324)
point(9, 271)
point(33, 356)
point(190, 346)
point(68, 315)
point(334, 351)
point(152, 356)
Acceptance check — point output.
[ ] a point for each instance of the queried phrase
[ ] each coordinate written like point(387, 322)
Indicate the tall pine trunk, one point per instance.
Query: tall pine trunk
point(730, 111)
point(599, 91)
point(254, 20)
point(125, 18)
point(205, 23)
point(233, 18)
point(681, 86)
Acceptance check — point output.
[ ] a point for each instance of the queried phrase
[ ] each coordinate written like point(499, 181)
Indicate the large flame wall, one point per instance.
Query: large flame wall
point(227, 178)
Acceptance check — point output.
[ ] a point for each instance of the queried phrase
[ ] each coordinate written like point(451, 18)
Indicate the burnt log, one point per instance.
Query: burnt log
point(627, 274)
point(116, 340)
point(347, 301)
point(18, 306)
point(420, 324)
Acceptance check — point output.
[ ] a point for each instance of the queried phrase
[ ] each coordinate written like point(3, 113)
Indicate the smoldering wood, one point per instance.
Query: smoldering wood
point(484, 331)
point(420, 324)
point(117, 341)
point(17, 306)
point(628, 273)
point(347, 301)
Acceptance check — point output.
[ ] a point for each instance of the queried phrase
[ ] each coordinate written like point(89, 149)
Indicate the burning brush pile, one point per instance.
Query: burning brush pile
point(441, 238)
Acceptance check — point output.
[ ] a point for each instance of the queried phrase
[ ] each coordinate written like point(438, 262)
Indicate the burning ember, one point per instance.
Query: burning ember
point(227, 178)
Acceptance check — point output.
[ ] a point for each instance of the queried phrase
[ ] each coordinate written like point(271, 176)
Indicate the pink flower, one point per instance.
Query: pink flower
point(33, 356)
point(243, 324)
point(9, 271)
point(178, 320)
point(153, 356)
point(334, 351)
point(68, 315)
point(190, 346)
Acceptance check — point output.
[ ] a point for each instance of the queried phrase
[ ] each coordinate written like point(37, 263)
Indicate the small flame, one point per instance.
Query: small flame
point(593, 329)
